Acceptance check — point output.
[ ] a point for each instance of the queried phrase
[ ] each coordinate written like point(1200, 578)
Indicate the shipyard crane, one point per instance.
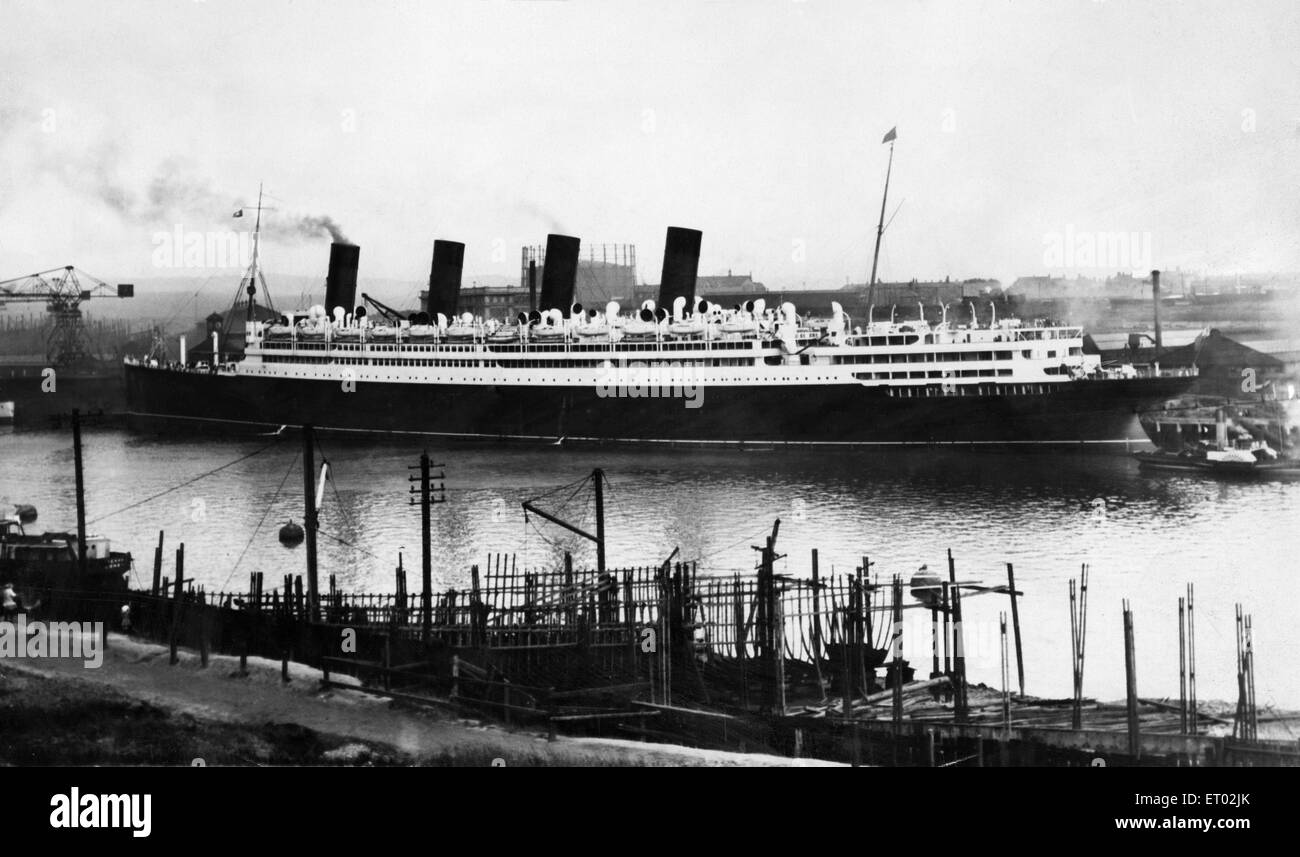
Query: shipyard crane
point(62, 291)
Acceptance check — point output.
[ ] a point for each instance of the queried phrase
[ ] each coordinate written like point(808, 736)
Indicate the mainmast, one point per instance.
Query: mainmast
point(252, 270)
point(880, 228)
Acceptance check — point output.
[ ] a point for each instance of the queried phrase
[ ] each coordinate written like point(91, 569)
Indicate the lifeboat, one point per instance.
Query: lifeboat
point(548, 332)
point(461, 332)
point(591, 331)
point(689, 327)
point(504, 334)
point(422, 331)
point(381, 333)
point(739, 325)
point(637, 327)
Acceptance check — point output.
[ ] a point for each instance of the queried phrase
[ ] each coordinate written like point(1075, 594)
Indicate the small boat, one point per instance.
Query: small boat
point(1221, 463)
point(547, 332)
point(639, 327)
point(739, 326)
point(686, 328)
point(1224, 445)
point(504, 335)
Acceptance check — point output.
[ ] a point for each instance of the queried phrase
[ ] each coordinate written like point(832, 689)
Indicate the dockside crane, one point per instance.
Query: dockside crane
point(62, 290)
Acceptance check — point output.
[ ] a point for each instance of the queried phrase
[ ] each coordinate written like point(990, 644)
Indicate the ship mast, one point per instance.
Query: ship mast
point(252, 270)
point(880, 228)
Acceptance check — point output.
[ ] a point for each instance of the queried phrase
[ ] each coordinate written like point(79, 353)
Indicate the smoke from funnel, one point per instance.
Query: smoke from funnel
point(311, 227)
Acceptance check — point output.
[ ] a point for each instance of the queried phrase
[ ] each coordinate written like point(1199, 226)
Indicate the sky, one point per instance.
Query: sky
point(493, 122)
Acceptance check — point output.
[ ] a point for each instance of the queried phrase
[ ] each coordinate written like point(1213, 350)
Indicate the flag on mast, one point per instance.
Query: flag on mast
point(239, 213)
point(891, 136)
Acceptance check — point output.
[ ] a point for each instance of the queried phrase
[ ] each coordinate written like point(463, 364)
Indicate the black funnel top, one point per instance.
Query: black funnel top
point(444, 277)
point(341, 281)
point(559, 272)
point(681, 265)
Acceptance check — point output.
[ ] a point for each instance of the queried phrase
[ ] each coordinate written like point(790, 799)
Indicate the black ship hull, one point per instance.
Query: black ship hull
point(43, 400)
point(1070, 413)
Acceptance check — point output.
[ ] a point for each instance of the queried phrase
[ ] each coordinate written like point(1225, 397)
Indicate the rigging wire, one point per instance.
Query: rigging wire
point(265, 514)
point(185, 483)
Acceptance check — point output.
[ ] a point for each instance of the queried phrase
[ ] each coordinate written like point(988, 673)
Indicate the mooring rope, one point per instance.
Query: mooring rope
point(265, 514)
point(185, 483)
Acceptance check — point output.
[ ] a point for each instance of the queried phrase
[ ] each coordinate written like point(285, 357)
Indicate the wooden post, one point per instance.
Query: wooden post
point(81, 497)
point(959, 655)
point(157, 566)
point(1182, 666)
point(850, 646)
point(204, 624)
point(426, 547)
point(474, 611)
point(310, 521)
point(945, 608)
point(1130, 684)
point(597, 481)
point(896, 643)
point(1006, 677)
point(177, 595)
point(1015, 626)
point(817, 623)
point(1192, 713)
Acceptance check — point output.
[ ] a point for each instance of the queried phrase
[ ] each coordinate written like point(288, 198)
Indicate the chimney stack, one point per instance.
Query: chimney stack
point(559, 273)
point(444, 278)
point(341, 281)
point(681, 266)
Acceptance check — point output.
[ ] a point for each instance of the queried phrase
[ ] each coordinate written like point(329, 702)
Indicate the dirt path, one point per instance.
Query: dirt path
point(137, 709)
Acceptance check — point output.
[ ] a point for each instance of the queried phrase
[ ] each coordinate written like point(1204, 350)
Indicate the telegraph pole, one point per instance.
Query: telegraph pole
point(426, 501)
point(598, 479)
point(310, 520)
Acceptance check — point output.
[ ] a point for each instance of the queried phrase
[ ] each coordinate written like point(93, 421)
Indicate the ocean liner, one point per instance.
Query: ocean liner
point(677, 370)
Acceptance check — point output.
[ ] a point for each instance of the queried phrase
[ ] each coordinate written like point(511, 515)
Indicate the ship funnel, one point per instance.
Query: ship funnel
point(341, 281)
point(681, 265)
point(559, 272)
point(444, 277)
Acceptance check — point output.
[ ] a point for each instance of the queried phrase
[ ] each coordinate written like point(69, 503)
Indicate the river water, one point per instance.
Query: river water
point(1144, 537)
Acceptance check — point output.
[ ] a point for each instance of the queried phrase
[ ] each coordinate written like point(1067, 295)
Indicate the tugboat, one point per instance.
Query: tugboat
point(48, 562)
point(1220, 444)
